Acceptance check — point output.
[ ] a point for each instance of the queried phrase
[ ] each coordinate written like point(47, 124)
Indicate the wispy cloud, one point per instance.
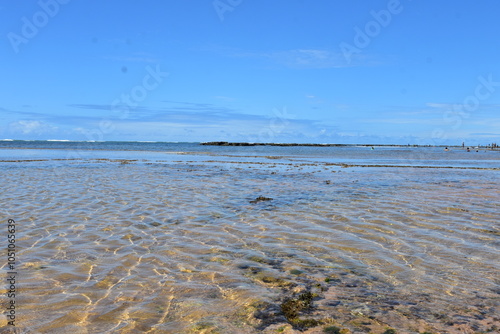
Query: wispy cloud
point(440, 105)
point(207, 120)
point(297, 58)
point(457, 106)
point(485, 134)
point(135, 57)
point(176, 112)
point(31, 114)
point(185, 111)
point(308, 58)
point(224, 98)
point(32, 127)
point(413, 121)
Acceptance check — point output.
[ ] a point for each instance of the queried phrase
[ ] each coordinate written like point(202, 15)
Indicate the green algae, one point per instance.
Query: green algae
point(332, 330)
point(275, 281)
point(258, 259)
point(293, 307)
point(389, 331)
point(281, 329)
point(205, 327)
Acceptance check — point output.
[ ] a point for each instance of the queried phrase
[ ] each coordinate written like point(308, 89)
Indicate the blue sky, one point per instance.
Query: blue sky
point(346, 71)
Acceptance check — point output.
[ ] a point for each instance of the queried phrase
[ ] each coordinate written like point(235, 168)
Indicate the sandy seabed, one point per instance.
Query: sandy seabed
point(108, 246)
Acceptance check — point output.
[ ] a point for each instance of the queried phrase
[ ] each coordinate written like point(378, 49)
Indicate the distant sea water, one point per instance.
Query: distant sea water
point(150, 237)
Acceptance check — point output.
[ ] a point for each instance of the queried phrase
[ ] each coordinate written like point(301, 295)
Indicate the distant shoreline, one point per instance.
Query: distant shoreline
point(55, 144)
point(225, 143)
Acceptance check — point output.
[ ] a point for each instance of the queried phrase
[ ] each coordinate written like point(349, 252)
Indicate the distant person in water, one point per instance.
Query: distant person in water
point(468, 149)
point(446, 148)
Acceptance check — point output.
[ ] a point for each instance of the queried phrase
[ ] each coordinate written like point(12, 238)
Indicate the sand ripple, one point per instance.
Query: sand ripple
point(179, 248)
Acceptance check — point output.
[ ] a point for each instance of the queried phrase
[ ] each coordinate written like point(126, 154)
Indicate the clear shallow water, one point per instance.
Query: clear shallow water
point(160, 152)
point(175, 245)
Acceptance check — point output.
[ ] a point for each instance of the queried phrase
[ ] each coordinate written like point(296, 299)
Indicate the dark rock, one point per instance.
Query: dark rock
point(261, 199)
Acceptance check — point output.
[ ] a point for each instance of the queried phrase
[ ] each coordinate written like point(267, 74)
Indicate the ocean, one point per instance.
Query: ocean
point(151, 237)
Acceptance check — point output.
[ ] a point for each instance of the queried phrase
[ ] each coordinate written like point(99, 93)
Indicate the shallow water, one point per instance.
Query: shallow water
point(177, 246)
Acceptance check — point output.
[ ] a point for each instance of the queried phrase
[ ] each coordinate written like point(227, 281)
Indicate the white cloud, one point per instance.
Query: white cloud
point(31, 127)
